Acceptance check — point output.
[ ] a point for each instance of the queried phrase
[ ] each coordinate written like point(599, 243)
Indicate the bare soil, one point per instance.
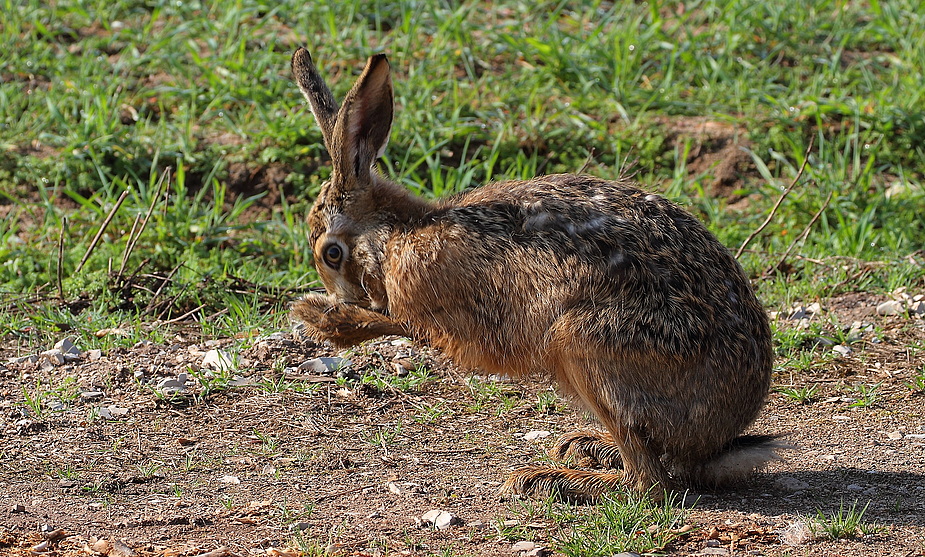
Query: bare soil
point(353, 466)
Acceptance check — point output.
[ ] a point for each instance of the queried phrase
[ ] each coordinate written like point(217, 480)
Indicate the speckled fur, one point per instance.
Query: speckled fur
point(619, 295)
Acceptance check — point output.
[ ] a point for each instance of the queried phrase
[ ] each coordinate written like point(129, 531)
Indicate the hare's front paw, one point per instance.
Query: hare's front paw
point(342, 324)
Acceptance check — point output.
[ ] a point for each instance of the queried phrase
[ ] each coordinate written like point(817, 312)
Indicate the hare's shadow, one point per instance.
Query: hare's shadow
point(890, 497)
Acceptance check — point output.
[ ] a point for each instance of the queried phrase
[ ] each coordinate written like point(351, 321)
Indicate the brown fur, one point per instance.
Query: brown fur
point(620, 296)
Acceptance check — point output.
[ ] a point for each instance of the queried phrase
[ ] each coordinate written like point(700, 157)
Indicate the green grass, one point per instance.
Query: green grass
point(100, 98)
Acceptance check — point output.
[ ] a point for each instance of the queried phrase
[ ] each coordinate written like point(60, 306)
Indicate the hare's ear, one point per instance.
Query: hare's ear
point(365, 119)
point(319, 97)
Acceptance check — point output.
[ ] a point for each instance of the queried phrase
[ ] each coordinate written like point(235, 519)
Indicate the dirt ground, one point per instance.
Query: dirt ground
point(251, 461)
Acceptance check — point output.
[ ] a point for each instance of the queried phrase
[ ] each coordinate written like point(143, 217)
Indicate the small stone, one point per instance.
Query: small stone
point(440, 520)
point(300, 526)
point(171, 387)
point(402, 367)
point(895, 435)
point(89, 395)
point(523, 546)
point(536, 434)
point(18, 508)
point(713, 551)
point(791, 484)
point(324, 364)
point(54, 356)
point(233, 480)
point(30, 359)
point(67, 347)
point(798, 313)
point(112, 412)
point(94, 355)
point(855, 487)
point(891, 307)
point(917, 308)
point(841, 350)
point(218, 360)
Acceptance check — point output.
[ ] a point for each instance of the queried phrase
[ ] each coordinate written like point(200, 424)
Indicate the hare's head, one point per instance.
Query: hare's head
point(347, 222)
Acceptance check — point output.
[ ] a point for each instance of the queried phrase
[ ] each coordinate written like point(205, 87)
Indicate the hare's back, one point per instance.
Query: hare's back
point(596, 244)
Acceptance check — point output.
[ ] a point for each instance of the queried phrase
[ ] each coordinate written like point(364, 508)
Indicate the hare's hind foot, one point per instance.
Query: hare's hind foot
point(342, 324)
point(587, 449)
point(563, 484)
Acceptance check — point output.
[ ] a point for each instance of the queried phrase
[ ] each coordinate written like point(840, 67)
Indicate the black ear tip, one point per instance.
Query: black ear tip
point(377, 59)
point(301, 57)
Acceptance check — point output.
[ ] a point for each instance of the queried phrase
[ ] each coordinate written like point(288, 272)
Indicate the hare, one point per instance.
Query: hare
point(620, 296)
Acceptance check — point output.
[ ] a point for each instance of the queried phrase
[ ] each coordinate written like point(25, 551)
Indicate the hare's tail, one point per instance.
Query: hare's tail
point(740, 458)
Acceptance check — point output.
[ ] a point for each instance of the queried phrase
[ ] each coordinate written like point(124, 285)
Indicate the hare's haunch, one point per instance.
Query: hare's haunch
point(619, 295)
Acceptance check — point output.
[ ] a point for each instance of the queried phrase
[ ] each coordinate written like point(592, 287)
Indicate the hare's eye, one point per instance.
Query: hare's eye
point(333, 255)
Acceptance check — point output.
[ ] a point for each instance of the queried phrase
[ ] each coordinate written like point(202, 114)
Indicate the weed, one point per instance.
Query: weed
point(268, 443)
point(917, 384)
point(430, 413)
point(547, 402)
point(867, 395)
point(35, 401)
point(149, 469)
point(845, 523)
point(409, 382)
point(802, 395)
point(384, 436)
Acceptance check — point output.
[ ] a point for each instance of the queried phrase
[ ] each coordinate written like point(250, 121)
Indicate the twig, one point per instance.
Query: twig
point(133, 239)
point(184, 316)
point(61, 258)
point(801, 236)
point(767, 221)
point(99, 233)
point(587, 162)
point(160, 288)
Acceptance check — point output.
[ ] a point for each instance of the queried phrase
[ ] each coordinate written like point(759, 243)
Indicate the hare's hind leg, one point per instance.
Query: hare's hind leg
point(588, 449)
point(564, 484)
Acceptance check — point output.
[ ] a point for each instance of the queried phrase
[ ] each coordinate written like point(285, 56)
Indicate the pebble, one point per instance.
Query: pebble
point(324, 365)
point(112, 412)
point(841, 350)
point(791, 484)
point(88, 395)
point(94, 355)
point(300, 526)
point(440, 520)
point(895, 435)
point(918, 308)
point(67, 348)
point(529, 549)
point(218, 360)
point(30, 359)
point(170, 386)
point(890, 307)
point(536, 434)
point(54, 356)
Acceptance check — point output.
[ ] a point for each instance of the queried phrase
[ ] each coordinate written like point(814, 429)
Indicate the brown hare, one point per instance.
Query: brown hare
point(620, 296)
